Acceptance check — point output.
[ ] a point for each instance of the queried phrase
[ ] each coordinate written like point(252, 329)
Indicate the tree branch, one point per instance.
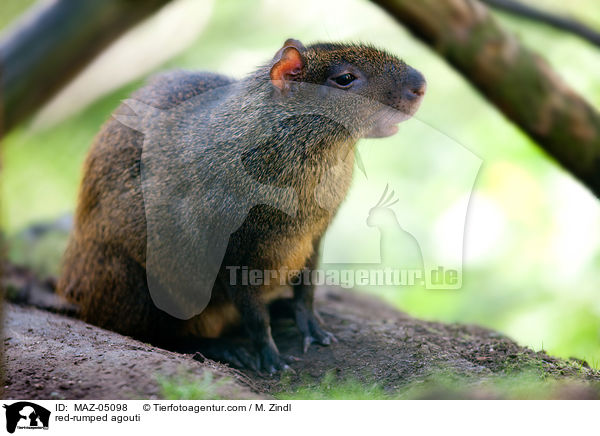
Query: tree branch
point(53, 43)
point(519, 82)
point(567, 24)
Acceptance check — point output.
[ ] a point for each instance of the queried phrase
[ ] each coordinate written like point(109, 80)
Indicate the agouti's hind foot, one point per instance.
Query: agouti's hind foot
point(267, 361)
point(227, 352)
point(311, 330)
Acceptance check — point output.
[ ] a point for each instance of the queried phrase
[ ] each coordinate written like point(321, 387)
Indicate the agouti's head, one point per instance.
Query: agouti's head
point(372, 74)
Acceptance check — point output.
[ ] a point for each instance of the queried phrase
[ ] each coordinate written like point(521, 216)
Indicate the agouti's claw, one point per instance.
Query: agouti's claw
point(307, 341)
point(288, 369)
point(325, 338)
point(330, 339)
point(289, 358)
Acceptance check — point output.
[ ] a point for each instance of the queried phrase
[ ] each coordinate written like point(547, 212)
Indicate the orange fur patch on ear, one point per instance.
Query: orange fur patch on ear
point(288, 66)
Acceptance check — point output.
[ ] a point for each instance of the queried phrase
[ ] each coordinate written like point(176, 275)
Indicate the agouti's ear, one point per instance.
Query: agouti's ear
point(288, 64)
point(294, 43)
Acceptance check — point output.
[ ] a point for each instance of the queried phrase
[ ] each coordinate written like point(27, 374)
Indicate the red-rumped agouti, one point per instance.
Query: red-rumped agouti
point(105, 269)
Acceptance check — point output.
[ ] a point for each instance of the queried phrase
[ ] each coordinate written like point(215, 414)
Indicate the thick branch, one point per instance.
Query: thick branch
point(53, 43)
point(519, 82)
point(563, 23)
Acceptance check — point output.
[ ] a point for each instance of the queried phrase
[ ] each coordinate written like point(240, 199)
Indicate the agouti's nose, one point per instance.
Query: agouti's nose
point(415, 85)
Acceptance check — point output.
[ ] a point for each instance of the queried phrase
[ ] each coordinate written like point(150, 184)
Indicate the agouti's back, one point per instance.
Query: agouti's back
point(104, 264)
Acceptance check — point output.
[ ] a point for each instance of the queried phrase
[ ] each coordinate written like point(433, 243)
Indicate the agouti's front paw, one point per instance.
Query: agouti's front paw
point(310, 329)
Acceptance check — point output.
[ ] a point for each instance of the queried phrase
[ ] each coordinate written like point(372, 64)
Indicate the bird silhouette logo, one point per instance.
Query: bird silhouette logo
point(393, 238)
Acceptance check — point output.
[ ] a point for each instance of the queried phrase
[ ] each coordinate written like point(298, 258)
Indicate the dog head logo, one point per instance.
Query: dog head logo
point(26, 415)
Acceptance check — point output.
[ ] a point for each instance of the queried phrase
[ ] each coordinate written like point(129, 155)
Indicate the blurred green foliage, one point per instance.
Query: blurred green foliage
point(537, 280)
point(11, 9)
point(186, 387)
point(441, 384)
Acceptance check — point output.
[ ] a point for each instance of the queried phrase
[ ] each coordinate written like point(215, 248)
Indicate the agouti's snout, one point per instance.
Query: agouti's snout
point(415, 85)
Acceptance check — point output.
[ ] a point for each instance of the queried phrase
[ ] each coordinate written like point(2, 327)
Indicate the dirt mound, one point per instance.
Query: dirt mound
point(49, 356)
point(52, 356)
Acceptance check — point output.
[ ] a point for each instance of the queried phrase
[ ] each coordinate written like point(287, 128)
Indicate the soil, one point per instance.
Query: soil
point(51, 356)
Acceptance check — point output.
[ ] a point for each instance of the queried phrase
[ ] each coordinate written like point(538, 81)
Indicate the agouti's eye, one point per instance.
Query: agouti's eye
point(344, 79)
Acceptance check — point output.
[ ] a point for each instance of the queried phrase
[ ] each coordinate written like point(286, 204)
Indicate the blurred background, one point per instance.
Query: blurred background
point(532, 239)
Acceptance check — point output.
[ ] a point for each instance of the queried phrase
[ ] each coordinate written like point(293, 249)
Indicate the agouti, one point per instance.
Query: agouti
point(148, 220)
